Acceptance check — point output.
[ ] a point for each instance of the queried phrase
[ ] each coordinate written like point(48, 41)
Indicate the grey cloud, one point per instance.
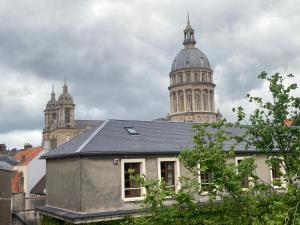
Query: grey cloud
point(117, 60)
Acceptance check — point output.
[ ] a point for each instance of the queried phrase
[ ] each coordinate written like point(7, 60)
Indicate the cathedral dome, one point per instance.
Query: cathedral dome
point(51, 105)
point(190, 58)
point(65, 98)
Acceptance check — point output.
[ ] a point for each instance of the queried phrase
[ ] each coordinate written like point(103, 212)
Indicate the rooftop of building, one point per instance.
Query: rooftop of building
point(24, 156)
point(114, 137)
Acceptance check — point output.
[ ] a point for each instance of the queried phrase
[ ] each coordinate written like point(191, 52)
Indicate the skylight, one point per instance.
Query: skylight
point(131, 131)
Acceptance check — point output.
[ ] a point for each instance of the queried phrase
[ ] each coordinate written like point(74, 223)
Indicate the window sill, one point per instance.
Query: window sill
point(133, 199)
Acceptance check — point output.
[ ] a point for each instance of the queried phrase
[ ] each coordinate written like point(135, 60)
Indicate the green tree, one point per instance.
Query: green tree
point(214, 145)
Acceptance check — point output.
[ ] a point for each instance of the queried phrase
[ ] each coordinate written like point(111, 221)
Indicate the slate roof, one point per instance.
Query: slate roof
point(40, 187)
point(190, 58)
point(83, 124)
point(111, 137)
point(8, 159)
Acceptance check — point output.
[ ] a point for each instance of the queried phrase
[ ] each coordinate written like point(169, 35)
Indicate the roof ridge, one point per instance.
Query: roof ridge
point(85, 143)
point(88, 120)
point(156, 121)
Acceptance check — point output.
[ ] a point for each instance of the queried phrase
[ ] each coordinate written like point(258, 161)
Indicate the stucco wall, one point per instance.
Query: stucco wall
point(63, 183)
point(5, 197)
point(93, 183)
point(101, 182)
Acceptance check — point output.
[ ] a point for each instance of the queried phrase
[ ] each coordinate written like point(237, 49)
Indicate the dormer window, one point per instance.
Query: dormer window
point(131, 131)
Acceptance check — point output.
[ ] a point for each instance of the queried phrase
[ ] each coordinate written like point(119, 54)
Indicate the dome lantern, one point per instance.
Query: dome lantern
point(189, 38)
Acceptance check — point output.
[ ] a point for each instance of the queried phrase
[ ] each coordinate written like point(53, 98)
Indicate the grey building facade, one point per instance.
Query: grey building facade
point(86, 177)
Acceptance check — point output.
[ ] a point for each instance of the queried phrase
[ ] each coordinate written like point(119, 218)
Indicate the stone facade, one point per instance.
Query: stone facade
point(191, 84)
point(60, 123)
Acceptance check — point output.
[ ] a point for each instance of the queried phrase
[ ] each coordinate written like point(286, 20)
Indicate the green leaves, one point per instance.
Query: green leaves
point(235, 193)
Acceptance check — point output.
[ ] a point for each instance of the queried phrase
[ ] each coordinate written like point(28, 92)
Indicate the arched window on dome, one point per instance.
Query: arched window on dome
point(204, 78)
point(174, 79)
point(209, 77)
point(189, 101)
point(188, 77)
point(67, 115)
point(180, 78)
point(181, 101)
point(196, 77)
point(197, 100)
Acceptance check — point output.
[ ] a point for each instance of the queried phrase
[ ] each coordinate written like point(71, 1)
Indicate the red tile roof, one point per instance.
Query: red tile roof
point(24, 156)
point(15, 183)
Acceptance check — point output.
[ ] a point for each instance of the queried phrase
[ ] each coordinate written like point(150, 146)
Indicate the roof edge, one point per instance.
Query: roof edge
point(92, 136)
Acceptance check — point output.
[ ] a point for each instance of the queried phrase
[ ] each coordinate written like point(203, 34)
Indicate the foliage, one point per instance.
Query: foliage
point(216, 145)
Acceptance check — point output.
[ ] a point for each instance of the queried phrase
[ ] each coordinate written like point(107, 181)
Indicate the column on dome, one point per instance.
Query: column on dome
point(212, 101)
point(208, 100)
point(204, 95)
point(184, 101)
point(171, 102)
point(177, 102)
point(174, 103)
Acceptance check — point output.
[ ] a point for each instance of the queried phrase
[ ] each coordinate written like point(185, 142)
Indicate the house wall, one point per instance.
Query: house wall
point(63, 183)
point(101, 182)
point(93, 183)
point(5, 196)
point(36, 169)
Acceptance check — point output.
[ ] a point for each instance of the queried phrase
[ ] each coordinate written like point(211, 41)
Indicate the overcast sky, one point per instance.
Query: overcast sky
point(117, 55)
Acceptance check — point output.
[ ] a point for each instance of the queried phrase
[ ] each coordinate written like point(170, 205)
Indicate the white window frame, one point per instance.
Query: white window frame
point(176, 170)
point(237, 158)
point(200, 181)
point(283, 182)
point(143, 172)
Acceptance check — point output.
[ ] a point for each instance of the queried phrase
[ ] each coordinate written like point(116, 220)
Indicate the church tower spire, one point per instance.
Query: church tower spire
point(66, 108)
point(189, 38)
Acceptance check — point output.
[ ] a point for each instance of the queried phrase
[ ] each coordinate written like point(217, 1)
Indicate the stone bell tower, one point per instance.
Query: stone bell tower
point(191, 84)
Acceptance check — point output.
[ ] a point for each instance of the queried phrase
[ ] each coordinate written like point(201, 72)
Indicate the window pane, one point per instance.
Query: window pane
point(168, 172)
point(132, 189)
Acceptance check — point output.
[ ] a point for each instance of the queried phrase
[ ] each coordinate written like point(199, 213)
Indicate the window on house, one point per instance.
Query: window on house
point(131, 190)
point(244, 179)
point(206, 178)
point(168, 171)
point(53, 116)
point(277, 177)
point(131, 131)
point(67, 115)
